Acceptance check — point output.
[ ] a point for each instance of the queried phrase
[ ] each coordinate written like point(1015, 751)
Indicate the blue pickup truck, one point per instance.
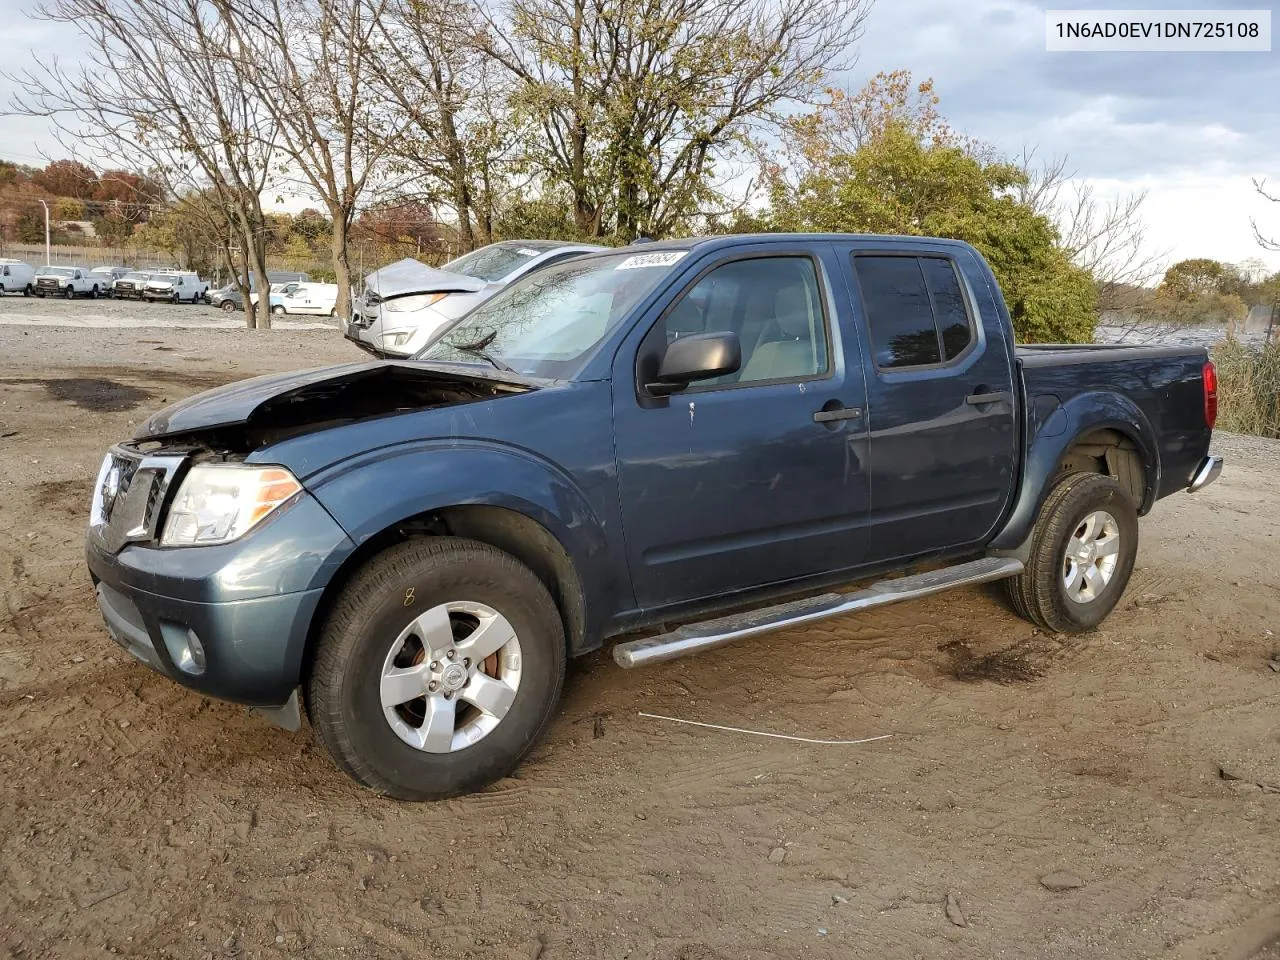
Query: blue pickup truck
point(692, 442)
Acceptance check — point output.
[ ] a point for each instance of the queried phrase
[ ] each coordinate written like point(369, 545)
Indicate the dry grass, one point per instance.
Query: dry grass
point(1248, 388)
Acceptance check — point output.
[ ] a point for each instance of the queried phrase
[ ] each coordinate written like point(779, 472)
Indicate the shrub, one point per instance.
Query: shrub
point(1248, 388)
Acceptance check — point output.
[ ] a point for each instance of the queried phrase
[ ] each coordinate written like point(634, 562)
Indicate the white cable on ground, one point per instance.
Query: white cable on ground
point(761, 733)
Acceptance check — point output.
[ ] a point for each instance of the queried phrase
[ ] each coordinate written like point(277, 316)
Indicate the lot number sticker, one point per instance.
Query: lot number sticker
point(664, 259)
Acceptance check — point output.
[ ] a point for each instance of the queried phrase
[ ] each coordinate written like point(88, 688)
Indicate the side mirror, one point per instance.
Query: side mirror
point(697, 357)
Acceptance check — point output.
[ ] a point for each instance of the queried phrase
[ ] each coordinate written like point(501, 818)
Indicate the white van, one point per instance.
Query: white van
point(318, 299)
point(17, 277)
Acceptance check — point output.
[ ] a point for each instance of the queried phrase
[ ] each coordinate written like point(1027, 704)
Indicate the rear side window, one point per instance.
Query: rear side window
point(915, 309)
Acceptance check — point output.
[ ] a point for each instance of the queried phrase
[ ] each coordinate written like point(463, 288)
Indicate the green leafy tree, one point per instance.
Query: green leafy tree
point(113, 228)
point(1188, 280)
point(30, 227)
point(896, 182)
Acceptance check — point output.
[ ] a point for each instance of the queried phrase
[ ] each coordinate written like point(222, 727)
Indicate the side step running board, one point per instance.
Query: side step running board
point(696, 637)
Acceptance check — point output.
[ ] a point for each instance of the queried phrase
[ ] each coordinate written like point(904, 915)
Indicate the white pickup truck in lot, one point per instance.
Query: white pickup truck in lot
point(175, 287)
point(67, 282)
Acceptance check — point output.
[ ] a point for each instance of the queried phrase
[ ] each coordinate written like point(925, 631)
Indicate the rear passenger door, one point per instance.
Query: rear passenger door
point(942, 444)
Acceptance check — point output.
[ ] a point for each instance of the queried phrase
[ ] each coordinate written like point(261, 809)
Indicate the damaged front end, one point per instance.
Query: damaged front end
point(243, 417)
point(165, 485)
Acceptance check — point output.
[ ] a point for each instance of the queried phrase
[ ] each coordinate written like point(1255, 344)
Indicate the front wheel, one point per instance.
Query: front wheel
point(437, 669)
point(93, 294)
point(277, 310)
point(69, 293)
point(1082, 554)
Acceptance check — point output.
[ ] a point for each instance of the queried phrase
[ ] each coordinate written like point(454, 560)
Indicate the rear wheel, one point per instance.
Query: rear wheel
point(1082, 554)
point(437, 669)
point(227, 305)
point(28, 290)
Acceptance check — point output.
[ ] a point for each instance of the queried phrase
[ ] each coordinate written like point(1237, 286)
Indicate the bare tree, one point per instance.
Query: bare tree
point(1265, 241)
point(460, 132)
point(1105, 237)
point(157, 90)
point(308, 63)
point(636, 103)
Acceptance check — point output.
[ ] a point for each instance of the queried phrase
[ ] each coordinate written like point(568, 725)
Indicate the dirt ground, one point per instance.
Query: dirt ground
point(1135, 770)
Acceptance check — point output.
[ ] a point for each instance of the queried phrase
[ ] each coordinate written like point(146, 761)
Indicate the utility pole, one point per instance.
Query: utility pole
point(47, 257)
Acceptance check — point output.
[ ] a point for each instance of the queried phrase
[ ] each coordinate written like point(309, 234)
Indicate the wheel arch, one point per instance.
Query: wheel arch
point(508, 529)
point(1097, 432)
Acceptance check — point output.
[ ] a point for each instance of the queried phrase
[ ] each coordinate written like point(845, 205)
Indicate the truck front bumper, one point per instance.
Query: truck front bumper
point(1206, 473)
point(229, 621)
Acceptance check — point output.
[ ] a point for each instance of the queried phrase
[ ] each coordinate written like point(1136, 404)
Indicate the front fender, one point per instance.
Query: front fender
point(378, 490)
point(1081, 415)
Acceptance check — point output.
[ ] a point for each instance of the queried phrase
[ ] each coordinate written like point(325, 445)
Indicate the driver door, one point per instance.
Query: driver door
point(759, 476)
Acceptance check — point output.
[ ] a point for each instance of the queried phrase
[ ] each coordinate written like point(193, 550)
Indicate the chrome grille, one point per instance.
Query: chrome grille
point(129, 495)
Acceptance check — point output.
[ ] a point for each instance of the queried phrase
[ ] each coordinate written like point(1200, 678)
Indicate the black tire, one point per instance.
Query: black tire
point(93, 294)
point(343, 686)
point(28, 290)
point(277, 310)
point(1040, 593)
point(70, 292)
point(227, 305)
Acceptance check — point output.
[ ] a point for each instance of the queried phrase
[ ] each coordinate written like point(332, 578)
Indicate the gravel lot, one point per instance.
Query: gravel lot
point(1109, 795)
point(37, 311)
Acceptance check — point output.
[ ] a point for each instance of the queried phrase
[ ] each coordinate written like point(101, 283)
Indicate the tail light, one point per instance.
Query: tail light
point(1209, 376)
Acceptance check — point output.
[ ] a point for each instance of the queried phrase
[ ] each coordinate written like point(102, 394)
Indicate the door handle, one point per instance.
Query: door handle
point(839, 413)
point(995, 396)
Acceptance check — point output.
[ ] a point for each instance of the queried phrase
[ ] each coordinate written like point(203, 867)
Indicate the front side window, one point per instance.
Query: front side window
point(915, 310)
point(773, 304)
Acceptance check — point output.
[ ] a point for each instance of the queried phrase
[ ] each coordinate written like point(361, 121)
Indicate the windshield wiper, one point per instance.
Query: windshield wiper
point(478, 349)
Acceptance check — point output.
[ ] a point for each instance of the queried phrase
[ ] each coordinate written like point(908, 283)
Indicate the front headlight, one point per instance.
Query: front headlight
point(219, 502)
point(419, 301)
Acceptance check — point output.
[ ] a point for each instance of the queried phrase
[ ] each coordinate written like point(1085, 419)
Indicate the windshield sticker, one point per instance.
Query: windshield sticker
point(664, 259)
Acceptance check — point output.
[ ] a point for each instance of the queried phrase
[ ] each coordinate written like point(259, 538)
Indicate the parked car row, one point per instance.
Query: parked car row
point(173, 286)
point(290, 293)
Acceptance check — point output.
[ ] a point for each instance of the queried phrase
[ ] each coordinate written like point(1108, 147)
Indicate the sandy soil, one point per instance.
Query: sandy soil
point(1140, 763)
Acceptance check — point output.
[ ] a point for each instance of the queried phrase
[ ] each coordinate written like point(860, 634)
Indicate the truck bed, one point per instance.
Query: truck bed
point(1161, 385)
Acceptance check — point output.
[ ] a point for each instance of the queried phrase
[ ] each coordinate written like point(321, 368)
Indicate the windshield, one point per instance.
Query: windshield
point(496, 261)
point(136, 276)
point(550, 323)
point(59, 271)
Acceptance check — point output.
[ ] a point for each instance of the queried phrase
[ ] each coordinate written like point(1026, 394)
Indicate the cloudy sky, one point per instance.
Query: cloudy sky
point(1190, 129)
